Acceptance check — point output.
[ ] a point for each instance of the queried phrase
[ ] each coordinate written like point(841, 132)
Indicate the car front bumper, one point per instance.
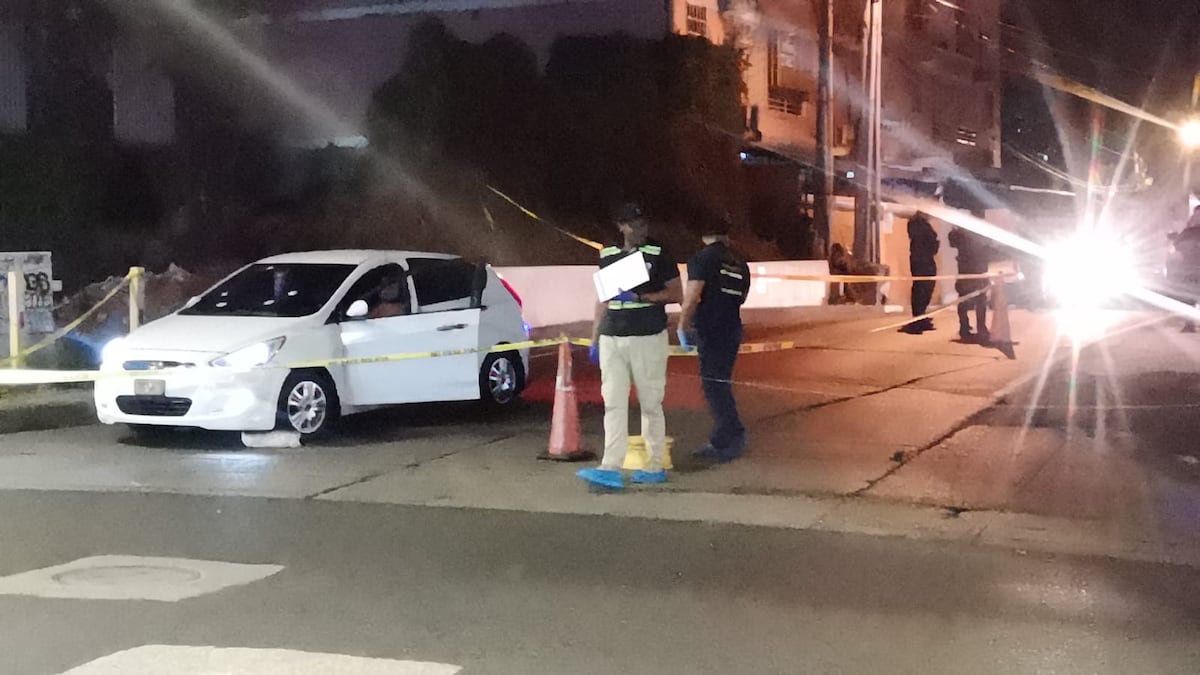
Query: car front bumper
point(202, 397)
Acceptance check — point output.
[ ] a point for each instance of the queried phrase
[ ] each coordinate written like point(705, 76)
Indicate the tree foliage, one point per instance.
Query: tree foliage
point(610, 118)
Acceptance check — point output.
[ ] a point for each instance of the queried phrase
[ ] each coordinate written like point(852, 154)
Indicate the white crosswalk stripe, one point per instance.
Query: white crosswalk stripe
point(179, 660)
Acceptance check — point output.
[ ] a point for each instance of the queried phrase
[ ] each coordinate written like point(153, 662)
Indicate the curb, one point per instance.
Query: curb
point(47, 415)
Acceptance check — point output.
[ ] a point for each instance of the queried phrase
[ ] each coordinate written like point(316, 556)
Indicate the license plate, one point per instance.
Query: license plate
point(150, 387)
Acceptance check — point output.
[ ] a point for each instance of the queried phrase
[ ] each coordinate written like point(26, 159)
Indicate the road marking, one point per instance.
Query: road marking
point(119, 577)
point(176, 660)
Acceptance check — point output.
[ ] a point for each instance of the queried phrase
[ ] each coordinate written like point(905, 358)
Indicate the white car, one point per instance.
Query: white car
point(252, 353)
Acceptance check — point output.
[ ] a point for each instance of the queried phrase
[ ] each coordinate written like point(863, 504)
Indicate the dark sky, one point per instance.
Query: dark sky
point(1134, 49)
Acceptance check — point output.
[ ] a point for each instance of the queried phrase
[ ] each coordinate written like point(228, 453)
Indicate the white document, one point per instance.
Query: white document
point(624, 275)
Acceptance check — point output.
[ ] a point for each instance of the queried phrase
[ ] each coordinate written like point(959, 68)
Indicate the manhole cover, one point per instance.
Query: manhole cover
point(120, 575)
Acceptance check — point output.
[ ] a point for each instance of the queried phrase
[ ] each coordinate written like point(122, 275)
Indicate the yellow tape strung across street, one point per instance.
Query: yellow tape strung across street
point(28, 376)
point(956, 303)
point(21, 376)
point(61, 332)
point(531, 214)
point(409, 356)
point(866, 279)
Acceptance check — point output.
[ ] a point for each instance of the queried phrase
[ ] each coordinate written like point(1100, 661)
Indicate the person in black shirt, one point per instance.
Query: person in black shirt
point(718, 283)
point(629, 342)
point(972, 259)
point(923, 248)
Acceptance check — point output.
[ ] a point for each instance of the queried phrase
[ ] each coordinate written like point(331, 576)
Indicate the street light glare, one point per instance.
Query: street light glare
point(1189, 133)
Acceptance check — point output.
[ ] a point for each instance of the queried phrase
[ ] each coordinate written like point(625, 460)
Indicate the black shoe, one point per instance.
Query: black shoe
point(926, 324)
point(911, 329)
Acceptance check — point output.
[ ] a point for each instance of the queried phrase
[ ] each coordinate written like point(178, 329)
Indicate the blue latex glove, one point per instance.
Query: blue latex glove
point(625, 296)
point(594, 353)
point(687, 340)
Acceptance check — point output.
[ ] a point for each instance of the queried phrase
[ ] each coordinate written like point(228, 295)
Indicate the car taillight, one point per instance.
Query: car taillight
point(511, 291)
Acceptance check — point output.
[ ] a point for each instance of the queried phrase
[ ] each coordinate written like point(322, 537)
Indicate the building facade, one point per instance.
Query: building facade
point(941, 79)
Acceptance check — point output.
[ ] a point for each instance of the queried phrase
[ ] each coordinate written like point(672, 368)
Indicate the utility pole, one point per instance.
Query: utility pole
point(823, 192)
point(868, 137)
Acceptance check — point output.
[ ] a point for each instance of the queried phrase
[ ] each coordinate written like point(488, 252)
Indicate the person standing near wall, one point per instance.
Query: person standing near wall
point(923, 246)
point(630, 344)
point(972, 259)
point(718, 283)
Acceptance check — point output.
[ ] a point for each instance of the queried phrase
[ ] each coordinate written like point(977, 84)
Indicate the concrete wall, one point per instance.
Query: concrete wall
point(564, 294)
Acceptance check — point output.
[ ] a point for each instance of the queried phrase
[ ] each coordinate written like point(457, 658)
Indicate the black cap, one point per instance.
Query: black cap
point(628, 213)
point(717, 226)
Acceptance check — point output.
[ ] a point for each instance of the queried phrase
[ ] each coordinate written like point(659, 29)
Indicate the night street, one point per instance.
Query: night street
point(321, 320)
point(522, 574)
point(503, 592)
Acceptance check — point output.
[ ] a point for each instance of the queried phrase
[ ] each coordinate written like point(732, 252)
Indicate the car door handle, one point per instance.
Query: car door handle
point(453, 326)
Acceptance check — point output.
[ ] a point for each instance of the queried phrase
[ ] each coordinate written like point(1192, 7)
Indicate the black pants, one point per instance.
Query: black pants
point(978, 303)
point(922, 295)
point(718, 353)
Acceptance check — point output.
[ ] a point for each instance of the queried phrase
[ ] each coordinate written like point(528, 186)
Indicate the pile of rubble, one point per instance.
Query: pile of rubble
point(164, 293)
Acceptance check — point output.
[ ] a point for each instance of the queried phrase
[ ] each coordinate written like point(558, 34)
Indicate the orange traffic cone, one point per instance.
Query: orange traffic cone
point(566, 444)
point(1001, 331)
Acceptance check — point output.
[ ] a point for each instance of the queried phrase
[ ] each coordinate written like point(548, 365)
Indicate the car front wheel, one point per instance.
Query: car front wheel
point(308, 403)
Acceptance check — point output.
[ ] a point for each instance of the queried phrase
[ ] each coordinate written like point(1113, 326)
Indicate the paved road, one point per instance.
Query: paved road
point(349, 559)
point(502, 592)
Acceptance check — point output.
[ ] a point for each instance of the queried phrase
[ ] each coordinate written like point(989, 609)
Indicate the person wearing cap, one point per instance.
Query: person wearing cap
point(711, 320)
point(630, 344)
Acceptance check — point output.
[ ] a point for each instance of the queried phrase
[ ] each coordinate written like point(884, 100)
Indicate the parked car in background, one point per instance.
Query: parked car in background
point(254, 352)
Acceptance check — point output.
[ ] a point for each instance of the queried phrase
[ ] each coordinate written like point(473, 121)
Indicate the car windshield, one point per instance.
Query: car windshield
point(274, 290)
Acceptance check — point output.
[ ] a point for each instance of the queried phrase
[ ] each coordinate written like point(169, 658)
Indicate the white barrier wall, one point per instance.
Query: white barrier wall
point(564, 294)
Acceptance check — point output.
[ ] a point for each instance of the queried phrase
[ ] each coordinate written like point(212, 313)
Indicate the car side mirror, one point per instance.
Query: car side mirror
point(357, 309)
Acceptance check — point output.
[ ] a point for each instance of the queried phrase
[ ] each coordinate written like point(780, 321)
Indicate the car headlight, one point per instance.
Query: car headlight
point(113, 352)
point(253, 356)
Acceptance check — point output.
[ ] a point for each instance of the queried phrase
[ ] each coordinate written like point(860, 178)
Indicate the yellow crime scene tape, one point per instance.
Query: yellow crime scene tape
point(62, 332)
point(866, 279)
point(20, 376)
point(586, 242)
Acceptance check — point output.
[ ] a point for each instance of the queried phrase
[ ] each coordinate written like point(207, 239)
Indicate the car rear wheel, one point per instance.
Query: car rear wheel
point(308, 403)
point(501, 379)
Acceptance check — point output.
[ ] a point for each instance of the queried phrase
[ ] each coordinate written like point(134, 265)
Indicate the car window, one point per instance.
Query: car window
point(273, 290)
point(385, 290)
point(440, 281)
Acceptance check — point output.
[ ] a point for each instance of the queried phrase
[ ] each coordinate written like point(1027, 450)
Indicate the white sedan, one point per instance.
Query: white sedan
point(252, 353)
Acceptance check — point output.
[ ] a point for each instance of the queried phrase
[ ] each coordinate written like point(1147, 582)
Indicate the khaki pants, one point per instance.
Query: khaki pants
point(641, 361)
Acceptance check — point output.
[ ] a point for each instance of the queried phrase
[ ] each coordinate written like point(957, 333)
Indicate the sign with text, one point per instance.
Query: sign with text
point(36, 274)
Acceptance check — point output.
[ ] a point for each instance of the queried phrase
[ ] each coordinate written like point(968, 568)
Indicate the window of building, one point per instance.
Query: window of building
point(967, 137)
point(697, 20)
point(785, 84)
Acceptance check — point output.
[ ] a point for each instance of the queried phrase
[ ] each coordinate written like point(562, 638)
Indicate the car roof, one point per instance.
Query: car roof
point(351, 256)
